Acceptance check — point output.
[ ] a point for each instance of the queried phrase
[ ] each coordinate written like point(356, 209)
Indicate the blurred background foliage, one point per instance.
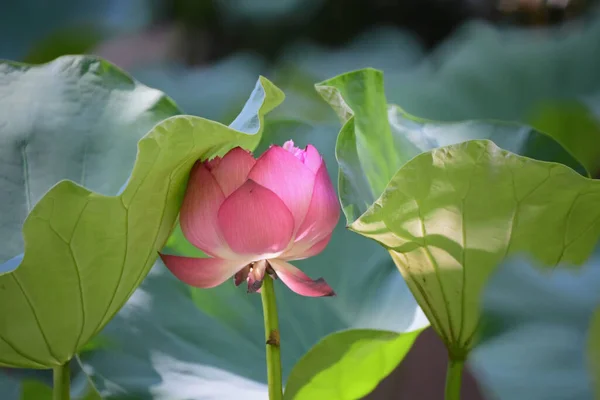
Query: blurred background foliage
point(206, 54)
point(443, 59)
point(533, 61)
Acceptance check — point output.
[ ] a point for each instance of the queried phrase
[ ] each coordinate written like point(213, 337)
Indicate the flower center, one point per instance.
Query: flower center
point(254, 273)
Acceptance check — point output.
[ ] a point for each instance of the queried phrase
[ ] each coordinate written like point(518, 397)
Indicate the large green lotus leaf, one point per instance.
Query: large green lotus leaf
point(179, 342)
point(377, 139)
point(85, 252)
point(545, 77)
point(76, 118)
point(348, 365)
point(536, 331)
point(451, 215)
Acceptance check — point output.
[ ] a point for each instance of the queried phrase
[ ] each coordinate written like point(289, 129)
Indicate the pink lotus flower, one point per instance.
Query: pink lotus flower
point(252, 216)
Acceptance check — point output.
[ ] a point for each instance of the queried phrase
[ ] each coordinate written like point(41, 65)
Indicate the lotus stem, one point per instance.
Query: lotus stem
point(62, 383)
point(454, 378)
point(274, 378)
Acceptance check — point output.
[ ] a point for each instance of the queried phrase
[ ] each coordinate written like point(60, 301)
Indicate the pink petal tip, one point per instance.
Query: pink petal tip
point(299, 282)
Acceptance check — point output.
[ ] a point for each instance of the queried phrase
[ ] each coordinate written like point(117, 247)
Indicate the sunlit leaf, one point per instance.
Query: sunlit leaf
point(450, 216)
point(209, 343)
point(85, 253)
point(347, 365)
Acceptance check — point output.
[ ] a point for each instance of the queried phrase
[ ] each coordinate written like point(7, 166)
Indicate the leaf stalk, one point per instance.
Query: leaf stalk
point(454, 378)
point(62, 382)
point(272, 340)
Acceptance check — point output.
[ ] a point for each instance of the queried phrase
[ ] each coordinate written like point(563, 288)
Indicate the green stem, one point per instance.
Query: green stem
point(272, 339)
point(454, 379)
point(62, 383)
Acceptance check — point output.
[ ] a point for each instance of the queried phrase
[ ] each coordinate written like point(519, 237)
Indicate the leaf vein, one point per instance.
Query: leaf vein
point(463, 255)
point(22, 354)
point(35, 316)
point(437, 324)
point(118, 285)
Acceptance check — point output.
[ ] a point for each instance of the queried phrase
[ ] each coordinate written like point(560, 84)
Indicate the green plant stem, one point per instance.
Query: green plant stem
point(62, 383)
point(272, 339)
point(454, 379)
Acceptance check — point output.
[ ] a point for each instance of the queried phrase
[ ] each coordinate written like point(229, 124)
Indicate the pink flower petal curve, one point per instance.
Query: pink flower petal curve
point(323, 213)
point(309, 156)
point(232, 171)
point(202, 272)
point(281, 172)
point(312, 158)
point(299, 282)
point(254, 221)
point(198, 214)
point(300, 253)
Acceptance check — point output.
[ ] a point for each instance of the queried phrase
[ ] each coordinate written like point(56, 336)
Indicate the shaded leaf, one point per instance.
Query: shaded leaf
point(32, 389)
point(377, 139)
point(26, 384)
point(76, 118)
point(36, 390)
point(536, 331)
point(575, 126)
point(489, 72)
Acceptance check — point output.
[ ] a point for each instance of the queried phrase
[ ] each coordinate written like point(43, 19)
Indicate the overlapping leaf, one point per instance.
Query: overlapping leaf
point(76, 118)
point(544, 77)
point(377, 139)
point(85, 253)
point(450, 215)
point(211, 346)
